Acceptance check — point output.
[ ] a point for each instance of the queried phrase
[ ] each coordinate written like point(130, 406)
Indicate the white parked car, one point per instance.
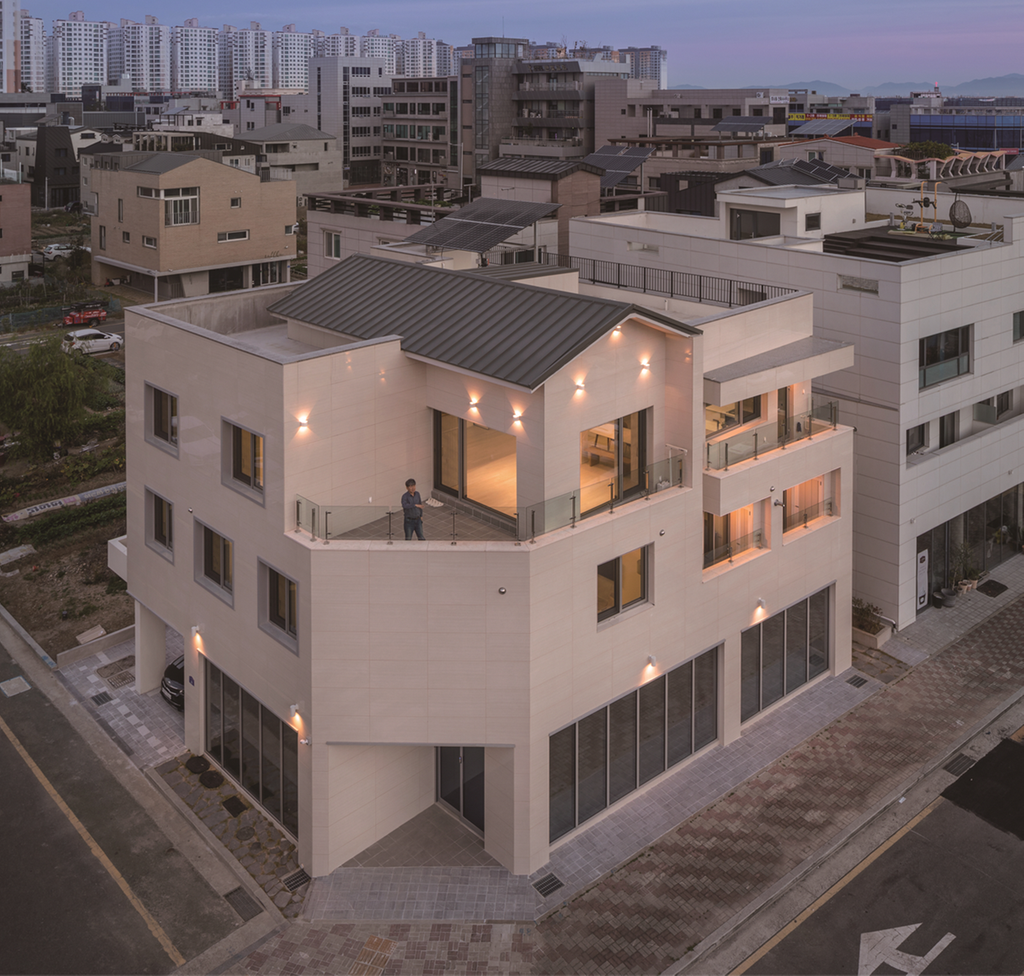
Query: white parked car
point(91, 340)
point(53, 251)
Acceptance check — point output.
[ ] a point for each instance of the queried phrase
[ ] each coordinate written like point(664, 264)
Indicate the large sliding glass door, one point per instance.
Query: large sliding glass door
point(612, 461)
point(475, 463)
point(460, 781)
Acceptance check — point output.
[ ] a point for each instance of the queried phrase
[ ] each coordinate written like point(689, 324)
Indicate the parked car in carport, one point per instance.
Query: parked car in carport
point(172, 686)
point(91, 340)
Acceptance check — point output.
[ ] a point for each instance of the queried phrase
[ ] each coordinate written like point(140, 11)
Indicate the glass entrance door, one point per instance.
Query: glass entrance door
point(460, 781)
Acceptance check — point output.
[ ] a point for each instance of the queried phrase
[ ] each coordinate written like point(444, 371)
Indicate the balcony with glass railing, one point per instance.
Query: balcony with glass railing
point(803, 517)
point(778, 434)
point(453, 521)
point(728, 551)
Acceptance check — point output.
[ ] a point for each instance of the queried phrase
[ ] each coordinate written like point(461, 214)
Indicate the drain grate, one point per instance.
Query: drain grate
point(116, 667)
point(857, 681)
point(197, 764)
point(121, 679)
point(992, 588)
point(547, 885)
point(297, 880)
point(243, 903)
point(211, 779)
point(959, 764)
point(102, 698)
point(234, 806)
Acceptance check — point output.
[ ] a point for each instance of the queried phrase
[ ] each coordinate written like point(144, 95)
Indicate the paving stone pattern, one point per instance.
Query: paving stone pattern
point(653, 909)
point(258, 844)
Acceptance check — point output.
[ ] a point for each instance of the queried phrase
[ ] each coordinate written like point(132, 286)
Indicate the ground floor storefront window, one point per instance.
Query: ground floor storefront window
point(783, 652)
point(606, 755)
point(253, 746)
point(974, 542)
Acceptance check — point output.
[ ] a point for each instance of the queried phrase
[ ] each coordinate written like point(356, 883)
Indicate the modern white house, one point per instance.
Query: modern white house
point(936, 391)
point(638, 540)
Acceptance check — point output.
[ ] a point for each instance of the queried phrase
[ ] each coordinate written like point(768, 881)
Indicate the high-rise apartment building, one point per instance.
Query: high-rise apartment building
point(194, 57)
point(373, 45)
point(32, 34)
point(245, 56)
point(10, 58)
point(340, 45)
point(292, 50)
point(142, 52)
point(424, 57)
point(77, 54)
point(647, 63)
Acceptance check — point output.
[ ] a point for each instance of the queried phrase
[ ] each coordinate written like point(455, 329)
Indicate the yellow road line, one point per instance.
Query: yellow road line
point(151, 923)
point(834, 890)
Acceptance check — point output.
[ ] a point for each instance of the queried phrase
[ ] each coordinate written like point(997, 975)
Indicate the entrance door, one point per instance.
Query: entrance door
point(460, 781)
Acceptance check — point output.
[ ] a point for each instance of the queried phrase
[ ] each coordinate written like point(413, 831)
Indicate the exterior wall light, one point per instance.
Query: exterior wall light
point(293, 710)
point(303, 422)
point(195, 630)
point(760, 602)
point(652, 661)
point(579, 386)
point(645, 365)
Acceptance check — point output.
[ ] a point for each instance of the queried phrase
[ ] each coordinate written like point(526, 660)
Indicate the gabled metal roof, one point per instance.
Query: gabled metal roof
point(535, 166)
point(482, 224)
point(515, 333)
point(618, 162)
point(797, 172)
point(286, 132)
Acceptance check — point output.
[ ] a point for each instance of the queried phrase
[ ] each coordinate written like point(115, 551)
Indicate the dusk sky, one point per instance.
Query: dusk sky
point(712, 43)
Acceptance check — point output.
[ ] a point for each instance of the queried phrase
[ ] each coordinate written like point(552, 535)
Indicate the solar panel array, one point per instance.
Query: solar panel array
point(482, 224)
point(618, 162)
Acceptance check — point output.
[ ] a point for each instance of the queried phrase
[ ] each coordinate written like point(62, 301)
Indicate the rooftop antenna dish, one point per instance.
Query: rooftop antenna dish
point(960, 214)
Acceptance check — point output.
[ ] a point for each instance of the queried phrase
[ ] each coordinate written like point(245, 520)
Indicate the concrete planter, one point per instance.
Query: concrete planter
point(875, 641)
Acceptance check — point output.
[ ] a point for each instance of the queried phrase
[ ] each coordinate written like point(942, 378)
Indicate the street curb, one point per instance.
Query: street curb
point(798, 873)
point(27, 638)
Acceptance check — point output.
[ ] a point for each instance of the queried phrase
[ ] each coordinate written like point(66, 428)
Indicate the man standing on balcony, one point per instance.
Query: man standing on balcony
point(412, 508)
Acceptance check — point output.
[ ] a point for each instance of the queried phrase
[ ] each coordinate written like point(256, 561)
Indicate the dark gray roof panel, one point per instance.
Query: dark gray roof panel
point(162, 162)
point(512, 332)
point(535, 166)
point(481, 225)
point(742, 123)
point(823, 127)
point(285, 132)
point(618, 162)
point(797, 172)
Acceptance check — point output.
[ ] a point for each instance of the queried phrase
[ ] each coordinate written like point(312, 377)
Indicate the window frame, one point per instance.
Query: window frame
point(812, 221)
point(227, 236)
point(917, 443)
point(236, 203)
point(285, 629)
point(153, 394)
point(618, 607)
point(933, 351)
point(231, 463)
point(1018, 326)
point(205, 540)
point(159, 511)
point(332, 245)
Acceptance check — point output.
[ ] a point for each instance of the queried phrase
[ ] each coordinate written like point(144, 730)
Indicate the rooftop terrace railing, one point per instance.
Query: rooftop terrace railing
point(776, 434)
point(377, 522)
point(663, 281)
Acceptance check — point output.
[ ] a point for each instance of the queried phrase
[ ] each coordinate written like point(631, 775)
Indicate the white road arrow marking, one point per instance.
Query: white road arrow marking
point(882, 947)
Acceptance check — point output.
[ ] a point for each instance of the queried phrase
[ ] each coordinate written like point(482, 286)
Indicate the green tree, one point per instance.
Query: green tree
point(41, 395)
point(927, 150)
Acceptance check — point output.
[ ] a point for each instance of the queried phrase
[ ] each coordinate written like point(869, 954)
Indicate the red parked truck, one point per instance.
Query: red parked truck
point(85, 313)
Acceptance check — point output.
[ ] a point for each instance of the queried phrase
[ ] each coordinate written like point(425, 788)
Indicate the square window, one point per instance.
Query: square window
point(126, 238)
point(242, 461)
point(236, 202)
point(149, 241)
point(622, 583)
point(162, 419)
point(214, 562)
point(812, 221)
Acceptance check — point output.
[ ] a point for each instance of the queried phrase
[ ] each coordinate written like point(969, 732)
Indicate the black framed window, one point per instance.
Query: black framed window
point(165, 416)
point(949, 429)
point(475, 463)
point(611, 752)
point(253, 746)
point(944, 356)
point(622, 583)
point(247, 458)
point(747, 224)
point(613, 457)
point(917, 438)
point(281, 602)
point(812, 221)
point(783, 652)
point(1018, 326)
point(217, 558)
point(163, 526)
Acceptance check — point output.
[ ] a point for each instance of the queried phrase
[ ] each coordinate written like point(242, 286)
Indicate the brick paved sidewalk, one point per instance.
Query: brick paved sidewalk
point(651, 911)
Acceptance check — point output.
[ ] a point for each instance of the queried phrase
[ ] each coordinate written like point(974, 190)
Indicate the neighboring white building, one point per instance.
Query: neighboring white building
point(292, 51)
point(424, 57)
point(610, 608)
point(936, 394)
point(340, 45)
point(142, 52)
point(373, 45)
point(77, 54)
point(246, 57)
point(32, 32)
point(647, 63)
point(194, 65)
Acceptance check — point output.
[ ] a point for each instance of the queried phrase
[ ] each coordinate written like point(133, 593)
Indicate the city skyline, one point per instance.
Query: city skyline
point(758, 45)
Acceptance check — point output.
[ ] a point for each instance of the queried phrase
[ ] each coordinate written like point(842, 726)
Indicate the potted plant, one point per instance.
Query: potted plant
point(868, 629)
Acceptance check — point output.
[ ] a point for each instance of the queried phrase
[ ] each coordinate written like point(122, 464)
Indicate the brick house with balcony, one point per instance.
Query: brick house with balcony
point(606, 590)
point(181, 224)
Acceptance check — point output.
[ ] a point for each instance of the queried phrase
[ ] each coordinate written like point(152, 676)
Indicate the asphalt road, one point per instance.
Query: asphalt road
point(945, 898)
point(114, 896)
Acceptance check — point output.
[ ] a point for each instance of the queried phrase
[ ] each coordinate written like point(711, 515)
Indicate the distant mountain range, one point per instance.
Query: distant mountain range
point(1003, 85)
